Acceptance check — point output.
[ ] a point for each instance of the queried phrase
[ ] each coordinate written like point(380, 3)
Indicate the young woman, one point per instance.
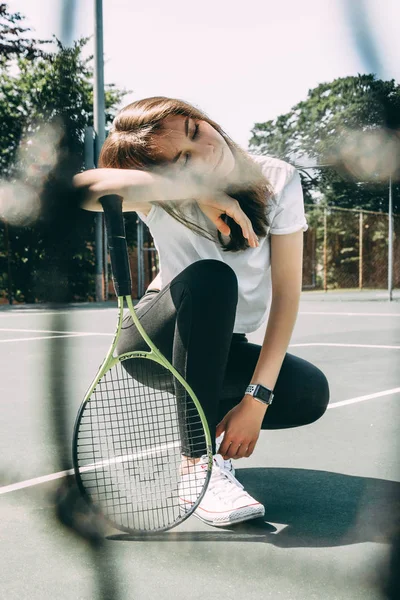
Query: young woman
point(228, 228)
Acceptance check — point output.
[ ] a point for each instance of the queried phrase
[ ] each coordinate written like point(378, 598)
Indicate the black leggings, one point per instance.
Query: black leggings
point(191, 322)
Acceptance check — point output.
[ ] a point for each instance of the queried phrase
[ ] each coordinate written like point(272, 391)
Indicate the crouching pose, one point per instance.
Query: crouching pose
point(228, 227)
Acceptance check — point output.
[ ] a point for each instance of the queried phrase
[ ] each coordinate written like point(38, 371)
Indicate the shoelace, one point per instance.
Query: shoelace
point(227, 464)
point(223, 483)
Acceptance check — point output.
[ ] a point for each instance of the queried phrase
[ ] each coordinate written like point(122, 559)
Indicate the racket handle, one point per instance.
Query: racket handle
point(121, 272)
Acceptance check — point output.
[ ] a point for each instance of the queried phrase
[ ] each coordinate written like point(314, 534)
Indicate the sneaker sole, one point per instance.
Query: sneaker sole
point(246, 514)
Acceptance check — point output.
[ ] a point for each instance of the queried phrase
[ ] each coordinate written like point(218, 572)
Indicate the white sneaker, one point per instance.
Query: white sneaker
point(227, 464)
point(225, 501)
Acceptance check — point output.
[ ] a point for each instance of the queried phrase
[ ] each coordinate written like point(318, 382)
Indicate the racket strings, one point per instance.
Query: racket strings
point(135, 429)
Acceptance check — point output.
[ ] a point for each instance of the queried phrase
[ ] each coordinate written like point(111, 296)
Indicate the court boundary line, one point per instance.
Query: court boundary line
point(53, 331)
point(43, 337)
point(348, 314)
point(337, 345)
point(363, 398)
point(31, 312)
point(68, 334)
point(14, 487)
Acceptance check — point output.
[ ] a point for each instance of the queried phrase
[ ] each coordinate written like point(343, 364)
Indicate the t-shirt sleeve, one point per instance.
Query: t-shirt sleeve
point(289, 215)
point(150, 215)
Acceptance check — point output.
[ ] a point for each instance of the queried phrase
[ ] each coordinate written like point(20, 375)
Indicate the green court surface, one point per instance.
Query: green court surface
point(331, 489)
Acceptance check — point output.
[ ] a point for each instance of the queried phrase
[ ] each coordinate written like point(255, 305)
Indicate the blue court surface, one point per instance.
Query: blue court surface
point(331, 489)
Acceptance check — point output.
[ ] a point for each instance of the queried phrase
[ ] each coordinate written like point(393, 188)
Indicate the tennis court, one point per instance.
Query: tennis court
point(330, 488)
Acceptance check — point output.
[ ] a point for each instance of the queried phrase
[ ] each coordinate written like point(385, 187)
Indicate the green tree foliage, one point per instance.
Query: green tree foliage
point(55, 87)
point(39, 89)
point(352, 123)
point(15, 39)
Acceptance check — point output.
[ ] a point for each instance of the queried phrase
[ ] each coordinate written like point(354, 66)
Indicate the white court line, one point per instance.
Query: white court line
point(46, 478)
point(345, 345)
point(43, 337)
point(349, 314)
point(89, 333)
point(13, 487)
point(363, 398)
point(51, 331)
point(36, 481)
point(33, 312)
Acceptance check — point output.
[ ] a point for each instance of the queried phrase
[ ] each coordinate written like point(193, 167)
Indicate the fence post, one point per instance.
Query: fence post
point(325, 249)
point(99, 121)
point(105, 261)
point(140, 258)
point(98, 219)
point(9, 270)
point(314, 260)
point(390, 242)
point(360, 246)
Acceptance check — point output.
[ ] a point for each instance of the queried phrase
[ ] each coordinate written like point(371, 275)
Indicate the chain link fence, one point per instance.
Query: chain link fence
point(343, 249)
point(348, 249)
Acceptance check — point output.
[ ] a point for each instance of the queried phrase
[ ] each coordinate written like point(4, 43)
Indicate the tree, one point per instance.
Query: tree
point(352, 123)
point(14, 41)
point(55, 87)
point(46, 101)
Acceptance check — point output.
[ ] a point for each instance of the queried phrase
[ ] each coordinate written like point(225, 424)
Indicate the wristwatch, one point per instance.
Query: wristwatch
point(260, 393)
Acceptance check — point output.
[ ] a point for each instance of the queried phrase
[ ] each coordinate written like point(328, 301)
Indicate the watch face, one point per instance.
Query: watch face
point(262, 393)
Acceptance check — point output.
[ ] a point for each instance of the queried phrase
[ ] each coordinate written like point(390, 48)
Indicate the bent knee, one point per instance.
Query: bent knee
point(210, 267)
point(318, 403)
point(209, 276)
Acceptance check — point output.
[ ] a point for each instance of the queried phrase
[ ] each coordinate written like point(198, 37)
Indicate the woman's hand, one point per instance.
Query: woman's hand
point(242, 427)
point(222, 204)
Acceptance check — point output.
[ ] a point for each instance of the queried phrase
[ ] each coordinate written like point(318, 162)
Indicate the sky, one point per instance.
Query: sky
point(241, 62)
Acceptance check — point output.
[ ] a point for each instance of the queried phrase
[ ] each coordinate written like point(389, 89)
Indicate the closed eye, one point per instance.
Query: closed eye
point(194, 136)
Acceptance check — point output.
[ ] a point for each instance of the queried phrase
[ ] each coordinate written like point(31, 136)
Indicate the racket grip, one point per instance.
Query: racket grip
point(115, 227)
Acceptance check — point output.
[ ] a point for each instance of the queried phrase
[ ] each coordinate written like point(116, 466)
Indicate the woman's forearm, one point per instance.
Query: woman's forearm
point(138, 188)
point(281, 321)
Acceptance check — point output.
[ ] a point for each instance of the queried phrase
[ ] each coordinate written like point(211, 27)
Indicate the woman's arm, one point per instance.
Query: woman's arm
point(242, 424)
point(286, 274)
point(138, 188)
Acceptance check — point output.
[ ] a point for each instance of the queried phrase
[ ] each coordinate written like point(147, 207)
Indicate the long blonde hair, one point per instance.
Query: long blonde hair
point(132, 144)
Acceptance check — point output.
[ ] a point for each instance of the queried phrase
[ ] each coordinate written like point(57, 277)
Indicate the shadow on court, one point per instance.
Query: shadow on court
point(317, 509)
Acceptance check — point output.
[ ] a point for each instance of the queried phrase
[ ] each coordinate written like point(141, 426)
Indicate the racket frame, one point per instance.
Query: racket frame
point(109, 361)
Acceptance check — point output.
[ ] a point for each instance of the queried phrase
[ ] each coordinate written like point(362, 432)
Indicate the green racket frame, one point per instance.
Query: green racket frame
point(112, 206)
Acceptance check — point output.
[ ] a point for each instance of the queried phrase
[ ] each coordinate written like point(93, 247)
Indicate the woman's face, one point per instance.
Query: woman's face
point(191, 143)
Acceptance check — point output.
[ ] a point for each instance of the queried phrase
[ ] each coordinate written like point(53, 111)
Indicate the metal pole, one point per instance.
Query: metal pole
point(390, 243)
point(100, 135)
point(105, 262)
point(140, 258)
point(325, 250)
point(98, 223)
point(9, 270)
point(89, 148)
point(360, 253)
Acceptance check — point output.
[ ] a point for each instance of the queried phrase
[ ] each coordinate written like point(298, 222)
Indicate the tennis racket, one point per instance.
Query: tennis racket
point(140, 425)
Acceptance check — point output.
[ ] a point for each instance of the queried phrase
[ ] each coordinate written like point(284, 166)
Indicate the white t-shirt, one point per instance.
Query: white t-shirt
point(178, 246)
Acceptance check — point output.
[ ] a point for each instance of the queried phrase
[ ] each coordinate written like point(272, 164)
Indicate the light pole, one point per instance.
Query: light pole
point(99, 121)
point(390, 243)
